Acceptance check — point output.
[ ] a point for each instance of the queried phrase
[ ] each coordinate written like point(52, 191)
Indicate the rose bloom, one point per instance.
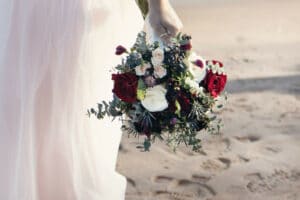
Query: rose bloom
point(155, 99)
point(215, 83)
point(185, 102)
point(160, 71)
point(125, 86)
point(197, 67)
point(141, 69)
point(157, 57)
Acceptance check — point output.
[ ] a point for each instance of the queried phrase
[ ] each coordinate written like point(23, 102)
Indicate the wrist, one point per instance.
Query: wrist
point(157, 5)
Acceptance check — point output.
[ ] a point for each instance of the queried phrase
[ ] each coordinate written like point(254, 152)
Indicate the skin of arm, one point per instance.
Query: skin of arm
point(162, 17)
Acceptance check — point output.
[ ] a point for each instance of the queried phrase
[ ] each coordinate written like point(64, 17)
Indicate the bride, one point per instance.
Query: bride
point(54, 65)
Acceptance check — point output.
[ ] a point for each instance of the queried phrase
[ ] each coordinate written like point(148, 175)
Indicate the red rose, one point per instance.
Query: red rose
point(120, 50)
point(185, 102)
point(172, 107)
point(215, 83)
point(125, 86)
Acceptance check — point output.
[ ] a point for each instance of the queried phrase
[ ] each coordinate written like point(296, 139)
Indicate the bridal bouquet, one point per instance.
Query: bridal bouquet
point(165, 92)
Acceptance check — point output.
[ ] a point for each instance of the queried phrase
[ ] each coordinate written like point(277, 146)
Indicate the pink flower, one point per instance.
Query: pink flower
point(159, 71)
point(141, 69)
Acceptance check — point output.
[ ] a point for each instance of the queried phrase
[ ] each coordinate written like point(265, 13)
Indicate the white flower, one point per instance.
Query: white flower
point(155, 99)
point(216, 68)
point(141, 69)
point(199, 91)
point(198, 72)
point(157, 57)
point(191, 83)
point(194, 87)
point(159, 71)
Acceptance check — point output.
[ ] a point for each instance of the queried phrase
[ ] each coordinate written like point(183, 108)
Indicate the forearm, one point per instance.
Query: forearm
point(158, 5)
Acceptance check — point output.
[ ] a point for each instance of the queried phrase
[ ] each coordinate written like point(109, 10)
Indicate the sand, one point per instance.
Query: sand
point(257, 156)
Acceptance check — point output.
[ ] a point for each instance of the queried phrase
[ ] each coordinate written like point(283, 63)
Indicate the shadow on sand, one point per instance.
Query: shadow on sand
point(281, 84)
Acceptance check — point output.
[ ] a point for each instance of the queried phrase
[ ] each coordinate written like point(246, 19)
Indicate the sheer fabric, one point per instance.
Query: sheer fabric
point(55, 57)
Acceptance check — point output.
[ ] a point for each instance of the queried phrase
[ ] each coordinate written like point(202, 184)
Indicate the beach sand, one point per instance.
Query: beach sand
point(257, 155)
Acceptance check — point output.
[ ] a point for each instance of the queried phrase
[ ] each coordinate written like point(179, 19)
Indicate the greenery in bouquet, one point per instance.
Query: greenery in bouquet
point(166, 92)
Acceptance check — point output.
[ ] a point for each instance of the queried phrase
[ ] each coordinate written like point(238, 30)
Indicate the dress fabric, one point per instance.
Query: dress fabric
point(55, 62)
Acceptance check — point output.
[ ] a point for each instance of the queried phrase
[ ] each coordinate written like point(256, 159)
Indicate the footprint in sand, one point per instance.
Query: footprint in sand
point(201, 178)
point(274, 150)
point(168, 195)
point(218, 145)
point(227, 143)
point(259, 183)
point(256, 183)
point(131, 182)
point(225, 161)
point(132, 189)
point(248, 138)
point(122, 149)
point(243, 159)
point(184, 188)
point(196, 188)
point(162, 179)
point(191, 153)
point(216, 165)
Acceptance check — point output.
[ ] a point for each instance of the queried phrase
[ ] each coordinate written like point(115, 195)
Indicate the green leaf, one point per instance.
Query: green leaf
point(147, 144)
point(141, 85)
point(178, 108)
point(141, 94)
point(220, 106)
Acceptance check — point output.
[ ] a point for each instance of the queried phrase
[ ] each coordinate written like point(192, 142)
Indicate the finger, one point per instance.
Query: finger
point(166, 39)
point(172, 29)
point(160, 30)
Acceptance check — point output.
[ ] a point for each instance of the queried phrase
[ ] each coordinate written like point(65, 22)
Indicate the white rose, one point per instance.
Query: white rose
point(159, 71)
point(157, 57)
point(141, 69)
point(155, 99)
point(197, 72)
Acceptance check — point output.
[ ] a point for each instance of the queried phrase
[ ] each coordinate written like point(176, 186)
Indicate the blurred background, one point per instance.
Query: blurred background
point(257, 156)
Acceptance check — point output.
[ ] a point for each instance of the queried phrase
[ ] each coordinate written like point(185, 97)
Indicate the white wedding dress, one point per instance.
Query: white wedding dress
point(55, 57)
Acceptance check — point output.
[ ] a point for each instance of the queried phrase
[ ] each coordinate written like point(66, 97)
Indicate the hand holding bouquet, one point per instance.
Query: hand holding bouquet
point(165, 91)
